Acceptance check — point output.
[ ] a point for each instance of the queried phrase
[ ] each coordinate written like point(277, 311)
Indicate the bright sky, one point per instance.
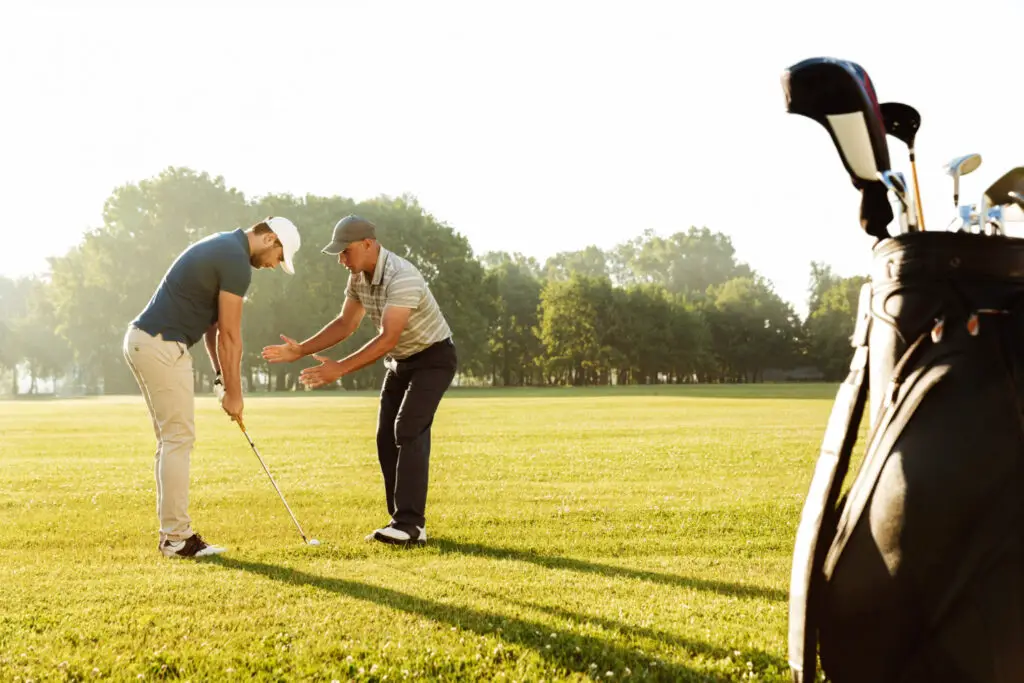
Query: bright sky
point(529, 126)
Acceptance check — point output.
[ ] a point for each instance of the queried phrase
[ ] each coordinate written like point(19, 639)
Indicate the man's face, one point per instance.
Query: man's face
point(270, 254)
point(356, 256)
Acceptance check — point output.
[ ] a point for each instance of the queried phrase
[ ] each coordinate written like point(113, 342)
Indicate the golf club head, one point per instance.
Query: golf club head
point(901, 121)
point(994, 220)
point(999, 191)
point(961, 166)
point(896, 183)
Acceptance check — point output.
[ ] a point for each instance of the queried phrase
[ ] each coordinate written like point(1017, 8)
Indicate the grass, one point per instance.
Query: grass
point(575, 535)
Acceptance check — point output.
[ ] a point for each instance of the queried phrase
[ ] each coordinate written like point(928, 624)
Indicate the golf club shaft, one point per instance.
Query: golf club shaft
point(917, 194)
point(254, 450)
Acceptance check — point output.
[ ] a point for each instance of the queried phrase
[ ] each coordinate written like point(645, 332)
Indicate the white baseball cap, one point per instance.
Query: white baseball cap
point(290, 240)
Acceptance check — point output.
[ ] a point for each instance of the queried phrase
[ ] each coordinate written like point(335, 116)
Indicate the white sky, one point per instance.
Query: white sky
point(529, 126)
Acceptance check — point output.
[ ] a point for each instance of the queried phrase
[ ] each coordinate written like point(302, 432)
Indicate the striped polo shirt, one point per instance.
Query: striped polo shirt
point(396, 282)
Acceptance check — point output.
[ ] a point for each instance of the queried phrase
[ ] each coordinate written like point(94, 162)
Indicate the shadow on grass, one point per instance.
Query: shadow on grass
point(573, 652)
point(762, 659)
point(554, 562)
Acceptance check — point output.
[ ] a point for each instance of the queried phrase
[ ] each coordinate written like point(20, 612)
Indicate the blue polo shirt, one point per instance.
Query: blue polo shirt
point(185, 304)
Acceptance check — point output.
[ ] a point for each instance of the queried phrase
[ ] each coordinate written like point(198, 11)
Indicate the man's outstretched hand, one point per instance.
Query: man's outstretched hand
point(317, 376)
point(288, 352)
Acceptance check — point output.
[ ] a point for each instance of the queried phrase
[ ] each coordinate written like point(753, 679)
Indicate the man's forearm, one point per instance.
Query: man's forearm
point(373, 350)
point(333, 333)
point(229, 351)
point(211, 347)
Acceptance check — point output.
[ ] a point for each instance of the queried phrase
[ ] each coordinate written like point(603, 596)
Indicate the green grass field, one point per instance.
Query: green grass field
point(575, 535)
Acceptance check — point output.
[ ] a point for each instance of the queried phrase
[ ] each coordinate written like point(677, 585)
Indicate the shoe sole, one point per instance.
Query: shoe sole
point(395, 541)
point(205, 552)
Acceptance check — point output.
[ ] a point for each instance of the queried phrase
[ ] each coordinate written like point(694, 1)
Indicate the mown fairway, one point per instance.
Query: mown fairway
point(574, 535)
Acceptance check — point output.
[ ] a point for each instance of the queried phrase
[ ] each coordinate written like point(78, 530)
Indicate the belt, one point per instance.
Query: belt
point(447, 341)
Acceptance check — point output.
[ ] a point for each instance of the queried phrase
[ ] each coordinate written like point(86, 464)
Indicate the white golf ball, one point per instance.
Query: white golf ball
point(313, 541)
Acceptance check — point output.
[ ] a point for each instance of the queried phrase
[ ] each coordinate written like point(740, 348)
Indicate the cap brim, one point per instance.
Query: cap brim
point(333, 249)
point(288, 263)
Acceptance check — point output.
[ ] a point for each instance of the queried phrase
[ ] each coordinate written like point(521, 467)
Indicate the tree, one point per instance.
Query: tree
point(514, 345)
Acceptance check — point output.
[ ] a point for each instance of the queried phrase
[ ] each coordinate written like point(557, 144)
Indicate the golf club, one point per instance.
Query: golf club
point(896, 184)
point(996, 196)
point(838, 94)
point(311, 541)
point(961, 166)
point(902, 122)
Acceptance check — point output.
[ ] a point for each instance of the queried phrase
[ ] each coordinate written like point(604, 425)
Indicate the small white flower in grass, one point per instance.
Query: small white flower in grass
point(609, 674)
point(627, 671)
point(593, 665)
point(350, 658)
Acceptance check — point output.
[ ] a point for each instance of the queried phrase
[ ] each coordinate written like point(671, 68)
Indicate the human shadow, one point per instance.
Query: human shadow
point(572, 651)
point(762, 658)
point(555, 562)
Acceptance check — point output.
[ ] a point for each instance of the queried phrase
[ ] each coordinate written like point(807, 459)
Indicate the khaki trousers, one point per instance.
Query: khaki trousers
point(163, 370)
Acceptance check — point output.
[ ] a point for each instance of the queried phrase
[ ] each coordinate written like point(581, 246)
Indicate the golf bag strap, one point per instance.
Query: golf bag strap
point(814, 533)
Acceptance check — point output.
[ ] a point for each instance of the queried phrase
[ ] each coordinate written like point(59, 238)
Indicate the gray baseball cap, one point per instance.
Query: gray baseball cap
point(349, 229)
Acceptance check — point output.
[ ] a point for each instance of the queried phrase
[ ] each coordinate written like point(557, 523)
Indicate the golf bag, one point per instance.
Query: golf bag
point(916, 573)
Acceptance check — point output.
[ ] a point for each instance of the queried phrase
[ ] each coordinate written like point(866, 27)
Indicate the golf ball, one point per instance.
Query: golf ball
point(313, 541)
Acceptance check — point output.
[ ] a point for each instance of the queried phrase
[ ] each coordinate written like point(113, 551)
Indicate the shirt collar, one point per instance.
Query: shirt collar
point(378, 270)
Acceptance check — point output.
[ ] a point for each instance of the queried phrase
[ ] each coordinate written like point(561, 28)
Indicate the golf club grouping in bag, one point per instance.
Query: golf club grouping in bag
point(916, 571)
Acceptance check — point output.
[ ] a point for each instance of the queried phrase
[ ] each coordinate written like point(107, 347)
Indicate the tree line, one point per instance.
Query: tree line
point(676, 309)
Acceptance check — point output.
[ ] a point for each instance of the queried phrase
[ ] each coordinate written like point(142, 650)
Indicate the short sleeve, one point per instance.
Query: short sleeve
point(406, 290)
point(350, 290)
point(235, 276)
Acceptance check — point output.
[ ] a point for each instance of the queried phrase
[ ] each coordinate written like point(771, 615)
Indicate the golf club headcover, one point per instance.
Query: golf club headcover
point(875, 210)
point(838, 94)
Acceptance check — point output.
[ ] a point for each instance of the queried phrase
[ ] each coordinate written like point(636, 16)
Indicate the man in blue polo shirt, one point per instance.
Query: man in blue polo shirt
point(200, 297)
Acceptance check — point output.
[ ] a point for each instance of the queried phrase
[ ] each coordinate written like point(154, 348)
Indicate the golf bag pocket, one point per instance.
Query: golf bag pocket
point(923, 577)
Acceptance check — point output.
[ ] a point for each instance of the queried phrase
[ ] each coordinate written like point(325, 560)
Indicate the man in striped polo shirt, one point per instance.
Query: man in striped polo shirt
point(415, 341)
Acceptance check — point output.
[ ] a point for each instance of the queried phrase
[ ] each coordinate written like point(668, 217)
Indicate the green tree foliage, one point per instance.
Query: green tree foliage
point(652, 309)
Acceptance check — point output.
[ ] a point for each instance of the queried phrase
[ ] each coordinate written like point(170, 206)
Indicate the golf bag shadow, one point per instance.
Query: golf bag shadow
point(916, 573)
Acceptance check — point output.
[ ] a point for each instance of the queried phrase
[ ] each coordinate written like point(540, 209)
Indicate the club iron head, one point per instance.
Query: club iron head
point(896, 183)
point(961, 166)
point(998, 195)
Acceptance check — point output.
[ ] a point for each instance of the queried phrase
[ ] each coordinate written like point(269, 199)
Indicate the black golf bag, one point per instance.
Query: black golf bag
point(916, 573)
